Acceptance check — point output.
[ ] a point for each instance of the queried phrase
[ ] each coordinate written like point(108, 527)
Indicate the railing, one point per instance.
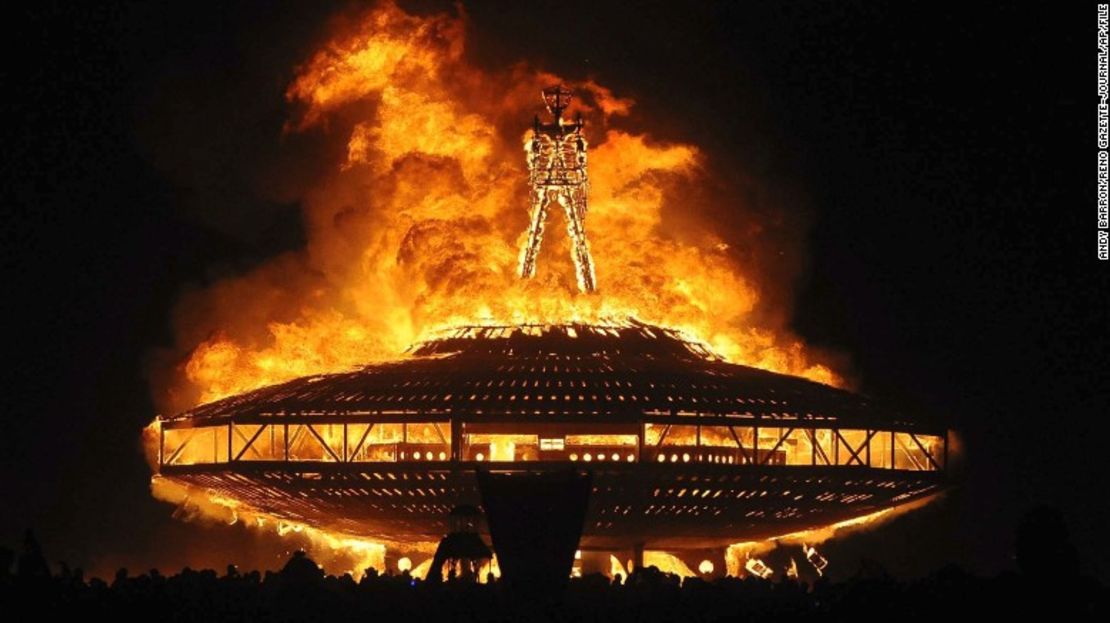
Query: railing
point(714, 455)
point(434, 442)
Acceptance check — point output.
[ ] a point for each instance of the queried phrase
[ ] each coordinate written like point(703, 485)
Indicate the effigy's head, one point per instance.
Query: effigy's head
point(556, 98)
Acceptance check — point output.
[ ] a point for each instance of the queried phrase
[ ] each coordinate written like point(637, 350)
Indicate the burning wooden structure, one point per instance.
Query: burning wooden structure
point(685, 450)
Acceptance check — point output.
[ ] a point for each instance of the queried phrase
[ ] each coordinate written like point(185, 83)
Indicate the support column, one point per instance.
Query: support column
point(535, 522)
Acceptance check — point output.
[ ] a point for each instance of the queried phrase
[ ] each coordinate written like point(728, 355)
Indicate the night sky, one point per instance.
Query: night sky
point(943, 159)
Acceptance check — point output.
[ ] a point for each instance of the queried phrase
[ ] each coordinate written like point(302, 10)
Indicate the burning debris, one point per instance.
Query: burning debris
point(818, 561)
point(758, 568)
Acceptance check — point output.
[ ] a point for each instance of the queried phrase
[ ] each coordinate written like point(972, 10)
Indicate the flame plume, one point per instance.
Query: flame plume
point(419, 223)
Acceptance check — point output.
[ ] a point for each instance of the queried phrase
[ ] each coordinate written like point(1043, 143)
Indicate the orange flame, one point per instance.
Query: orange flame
point(338, 553)
point(738, 553)
point(419, 223)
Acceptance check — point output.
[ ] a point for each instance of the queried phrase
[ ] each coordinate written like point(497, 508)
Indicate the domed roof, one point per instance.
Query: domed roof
point(569, 369)
point(767, 454)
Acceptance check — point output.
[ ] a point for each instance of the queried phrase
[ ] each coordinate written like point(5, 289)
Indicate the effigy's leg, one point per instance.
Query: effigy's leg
point(531, 247)
point(574, 205)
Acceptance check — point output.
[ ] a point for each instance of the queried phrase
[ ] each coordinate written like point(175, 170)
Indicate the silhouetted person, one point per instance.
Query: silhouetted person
point(301, 592)
point(301, 570)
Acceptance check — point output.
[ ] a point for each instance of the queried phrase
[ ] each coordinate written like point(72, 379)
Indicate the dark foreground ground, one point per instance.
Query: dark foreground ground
point(301, 592)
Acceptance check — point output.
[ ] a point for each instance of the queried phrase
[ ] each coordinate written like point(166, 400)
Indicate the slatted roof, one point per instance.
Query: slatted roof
point(592, 371)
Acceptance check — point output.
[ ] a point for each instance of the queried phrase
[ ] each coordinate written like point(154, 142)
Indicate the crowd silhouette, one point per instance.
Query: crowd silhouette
point(1048, 583)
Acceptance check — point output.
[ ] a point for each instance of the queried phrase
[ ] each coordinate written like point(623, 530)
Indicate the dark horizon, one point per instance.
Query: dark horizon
point(928, 149)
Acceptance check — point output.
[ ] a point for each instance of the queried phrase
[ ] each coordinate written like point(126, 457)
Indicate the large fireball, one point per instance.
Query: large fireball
point(419, 222)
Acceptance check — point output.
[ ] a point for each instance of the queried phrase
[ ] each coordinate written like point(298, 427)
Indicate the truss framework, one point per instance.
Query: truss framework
point(331, 439)
point(687, 450)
